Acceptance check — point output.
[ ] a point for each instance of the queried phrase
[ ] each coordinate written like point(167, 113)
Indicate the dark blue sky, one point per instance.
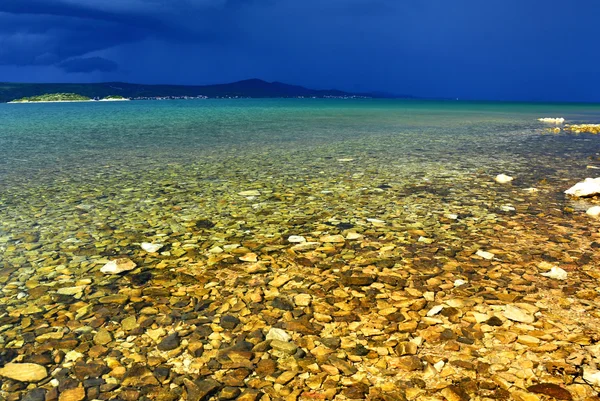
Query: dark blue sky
point(477, 49)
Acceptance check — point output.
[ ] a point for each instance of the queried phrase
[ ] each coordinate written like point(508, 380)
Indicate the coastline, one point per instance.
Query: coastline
point(72, 101)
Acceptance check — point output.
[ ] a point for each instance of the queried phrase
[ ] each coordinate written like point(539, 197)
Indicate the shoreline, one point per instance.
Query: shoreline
point(72, 101)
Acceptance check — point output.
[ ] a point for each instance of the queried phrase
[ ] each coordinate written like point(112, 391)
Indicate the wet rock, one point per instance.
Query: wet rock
point(150, 247)
point(204, 224)
point(24, 372)
point(591, 376)
point(556, 273)
point(552, 390)
point(585, 188)
point(73, 394)
point(358, 281)
point(229, 393)
point(103, 337)
point(169, 343)
point(37, 394)
point(356, 391)
point(455, 393)
point(229, 322)
point(503, 179)
point(118, 266)
point(250, 395)
point(285, 347)
point(200, 390)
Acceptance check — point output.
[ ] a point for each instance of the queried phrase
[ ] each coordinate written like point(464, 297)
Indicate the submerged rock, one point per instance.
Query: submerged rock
point(585, 188)
point(503, 179)
point(556, 273)
point(24, 372)
point(550, 120)
point(594, 211)
point(518, 315)
point(118, 266)
point(149, 247)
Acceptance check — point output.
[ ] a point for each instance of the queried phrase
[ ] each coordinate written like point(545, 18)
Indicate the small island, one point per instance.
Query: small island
point(114, 98)
point(53, 97)
point(66, 97)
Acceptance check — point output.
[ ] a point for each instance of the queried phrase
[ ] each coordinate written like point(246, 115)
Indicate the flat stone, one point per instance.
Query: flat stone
point(249, 193)
point(37, 394)
point(335, 239)
point(485, 254)
point(200, 390)
point(302, 299)
point(285, 347)
point(250, 395)
point(72, 394)
point(103, 337)
point(129, 323)
point(358, 281)
point(229, 393)
point(455, 393)
point(556, 273)
point(518, 315)
point(169, 343)
point(552, 390)
point(24, 372)
point(119, 299)
point(229, 322)
point(71, 290)
point(150, 247)
point(118, 266)
point(410, 363)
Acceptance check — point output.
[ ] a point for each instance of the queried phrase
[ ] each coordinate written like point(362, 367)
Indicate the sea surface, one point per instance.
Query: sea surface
point(397, 191)
point(123, 163)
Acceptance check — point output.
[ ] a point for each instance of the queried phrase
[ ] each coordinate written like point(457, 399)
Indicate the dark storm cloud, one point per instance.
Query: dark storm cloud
point(497, 49)
point(89, 64)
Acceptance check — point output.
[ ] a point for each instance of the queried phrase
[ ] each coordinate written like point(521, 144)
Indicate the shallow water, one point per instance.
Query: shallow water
point(81, 184)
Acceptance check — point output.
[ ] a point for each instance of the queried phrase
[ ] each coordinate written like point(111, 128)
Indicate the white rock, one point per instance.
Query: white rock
point(587, 187)
point(451, 216)
point(353, 236)
point(531, 190)
point(278, 334)
point(480, 317)
point(435, 310)
point(73, 356)
point(592, 376)
point(503, 178)
point(296, 238)
point(485, 254)
point(594, 211)
point(459, 282)
point(149, 247)
point(557, 273)
point(439, 365)
point(376, 221)
point(550, 120)
point(507, 208)
point(118, 266)
point(345, 160)
point(249, 193)
point(518, 315)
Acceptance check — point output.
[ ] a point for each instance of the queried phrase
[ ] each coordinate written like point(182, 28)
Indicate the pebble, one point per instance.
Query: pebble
point(118, 266)
point(591, 376)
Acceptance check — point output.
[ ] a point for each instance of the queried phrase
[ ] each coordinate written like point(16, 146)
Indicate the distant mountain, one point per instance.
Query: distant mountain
point(254, 88)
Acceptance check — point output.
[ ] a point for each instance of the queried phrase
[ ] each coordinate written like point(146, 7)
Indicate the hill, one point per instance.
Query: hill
point(254, 88)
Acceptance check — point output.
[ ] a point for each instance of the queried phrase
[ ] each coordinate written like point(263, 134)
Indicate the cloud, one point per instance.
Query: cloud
point(89, 64)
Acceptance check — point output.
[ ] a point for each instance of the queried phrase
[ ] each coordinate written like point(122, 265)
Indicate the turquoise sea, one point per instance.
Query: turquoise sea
point(393, 190)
